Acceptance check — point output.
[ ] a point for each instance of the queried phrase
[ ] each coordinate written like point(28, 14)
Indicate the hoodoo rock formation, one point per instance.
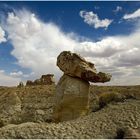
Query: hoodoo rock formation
point(72, 91)
point(44, 80)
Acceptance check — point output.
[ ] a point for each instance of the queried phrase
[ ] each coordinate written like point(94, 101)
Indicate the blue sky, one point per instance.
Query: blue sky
point(32, 34)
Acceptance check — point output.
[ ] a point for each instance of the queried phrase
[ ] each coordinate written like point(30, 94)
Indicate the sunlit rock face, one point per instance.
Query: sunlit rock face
point(74, 65)
point(72, 98)
point(72, 91)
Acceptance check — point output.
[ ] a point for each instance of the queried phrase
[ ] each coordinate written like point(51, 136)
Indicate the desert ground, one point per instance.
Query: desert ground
point(58, 64)
point(26, 112)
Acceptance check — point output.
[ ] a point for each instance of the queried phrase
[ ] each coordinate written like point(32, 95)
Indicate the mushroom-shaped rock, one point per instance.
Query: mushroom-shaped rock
point(74, 65)
point(72, 91)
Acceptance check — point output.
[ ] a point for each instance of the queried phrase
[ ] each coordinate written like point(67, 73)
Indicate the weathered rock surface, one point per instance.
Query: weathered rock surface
point(10, 108)
point(74, 65)
point(37, 106)
point(132, 133)
point(72, 98)
point(31, 104)
point(47, 79)
point(25, 104)
point(102, 124)
point(44, 80)
point(29, 83)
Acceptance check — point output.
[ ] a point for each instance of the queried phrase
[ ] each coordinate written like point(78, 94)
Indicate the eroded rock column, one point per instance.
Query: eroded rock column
point(72, 98)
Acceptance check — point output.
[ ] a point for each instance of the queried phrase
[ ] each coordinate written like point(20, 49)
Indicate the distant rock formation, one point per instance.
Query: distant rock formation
point(47, 79)
point(29, 83)
point(44, 80)
point(72, 91)
point(20, 85)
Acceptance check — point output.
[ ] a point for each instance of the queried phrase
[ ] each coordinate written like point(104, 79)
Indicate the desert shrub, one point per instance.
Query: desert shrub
point(120, 134)
point(1, 123)
point(106, 98)
point(93, 103)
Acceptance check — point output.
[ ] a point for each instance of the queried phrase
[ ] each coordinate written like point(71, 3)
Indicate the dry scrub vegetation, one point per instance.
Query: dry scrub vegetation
point(108, 94)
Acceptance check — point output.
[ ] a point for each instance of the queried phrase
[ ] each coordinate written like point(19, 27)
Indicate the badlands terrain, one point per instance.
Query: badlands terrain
point(74, 108)
point(26, 112)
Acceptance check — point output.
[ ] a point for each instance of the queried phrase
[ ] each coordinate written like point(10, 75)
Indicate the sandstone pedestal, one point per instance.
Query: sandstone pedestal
point(72, 98)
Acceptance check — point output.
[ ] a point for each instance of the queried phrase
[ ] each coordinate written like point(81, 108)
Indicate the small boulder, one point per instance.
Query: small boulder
point(10, 108)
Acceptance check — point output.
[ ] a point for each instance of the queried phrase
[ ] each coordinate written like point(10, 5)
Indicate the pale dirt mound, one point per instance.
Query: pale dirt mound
point(101, 124)
point(26, 104)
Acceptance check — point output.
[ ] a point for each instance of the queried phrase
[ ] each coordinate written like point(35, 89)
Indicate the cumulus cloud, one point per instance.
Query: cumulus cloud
point(36, 46)
point(133, 15)
point(103, 48)
point(93, 20)
point(7, 80)
point(2, 35)
point(16, 74)
point(118, 55)
point(118, 9)
point(22, 75)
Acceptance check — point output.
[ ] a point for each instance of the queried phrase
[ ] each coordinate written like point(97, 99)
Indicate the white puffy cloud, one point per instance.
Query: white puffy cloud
point(93, 20)
point(118, 9)
point(118, 55)
point(36, 46)
point(133, 15)
point(104, 48)
point(2, 35)
point(22, 75)
point(16, 74)
point(7, 80)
